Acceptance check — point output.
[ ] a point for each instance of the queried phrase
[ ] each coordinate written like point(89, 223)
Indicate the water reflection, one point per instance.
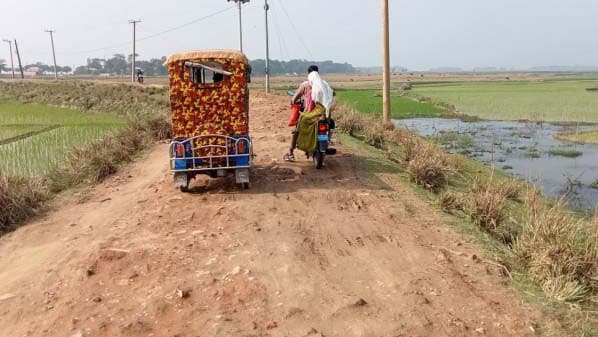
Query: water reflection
point(526, 149)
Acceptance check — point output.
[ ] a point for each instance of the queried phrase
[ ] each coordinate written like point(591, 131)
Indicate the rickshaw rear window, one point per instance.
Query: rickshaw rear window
point(207, 72)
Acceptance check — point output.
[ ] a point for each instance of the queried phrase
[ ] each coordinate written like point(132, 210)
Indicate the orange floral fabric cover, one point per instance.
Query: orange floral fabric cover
point(203, 109)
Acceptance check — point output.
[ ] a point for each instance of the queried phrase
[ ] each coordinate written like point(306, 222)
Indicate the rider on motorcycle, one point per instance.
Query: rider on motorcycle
point(303, 93)
point(139, 75)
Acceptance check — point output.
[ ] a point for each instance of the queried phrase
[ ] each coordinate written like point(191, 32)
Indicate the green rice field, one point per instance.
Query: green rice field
point(370, 101)
point(34, 137)
point(550, 100)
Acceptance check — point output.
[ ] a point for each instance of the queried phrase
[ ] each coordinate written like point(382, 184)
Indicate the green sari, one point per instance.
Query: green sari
point(307, 125)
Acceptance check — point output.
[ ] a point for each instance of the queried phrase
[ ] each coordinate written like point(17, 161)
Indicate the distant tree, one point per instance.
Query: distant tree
point(300, 67)
point(117, 65)
point(65, 69)
point(153, 67)
point(130, 58)
point(82, 70)
point(3, 66)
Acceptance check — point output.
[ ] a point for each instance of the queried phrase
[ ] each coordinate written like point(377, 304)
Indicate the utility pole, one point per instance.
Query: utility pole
point(240, 3)
point(51, 31)
point(12, 65)
point(386, 67)
point(267, 8)
point(134, 22)
point(19, 59)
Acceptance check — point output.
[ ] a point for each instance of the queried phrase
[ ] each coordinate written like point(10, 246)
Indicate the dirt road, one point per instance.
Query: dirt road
point(337, 252)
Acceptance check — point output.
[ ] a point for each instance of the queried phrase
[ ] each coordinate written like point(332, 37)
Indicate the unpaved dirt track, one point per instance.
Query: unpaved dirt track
point(334, 252)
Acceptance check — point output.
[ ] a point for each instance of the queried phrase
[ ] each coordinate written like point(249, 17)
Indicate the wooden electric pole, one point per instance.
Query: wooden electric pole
point(51, 31)
point(134, 22)
point(19, 59)
point(266, 8)
point(12, 65)
point(386, 67)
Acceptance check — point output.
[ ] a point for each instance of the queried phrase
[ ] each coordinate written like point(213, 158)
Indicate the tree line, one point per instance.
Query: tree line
point(294, 67)
point(119, 64)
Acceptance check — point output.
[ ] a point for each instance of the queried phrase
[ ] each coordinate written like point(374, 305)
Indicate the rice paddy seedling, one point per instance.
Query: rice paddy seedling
point(555, 101)
point(33, 156)
point(568, 153)
point(370, 102)
point(35, 137)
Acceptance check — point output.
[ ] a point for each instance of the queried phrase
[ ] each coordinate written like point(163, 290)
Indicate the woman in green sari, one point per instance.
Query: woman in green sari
point(322, 95)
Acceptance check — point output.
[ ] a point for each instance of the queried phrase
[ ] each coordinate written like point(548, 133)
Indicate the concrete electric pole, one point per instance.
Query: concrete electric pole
point(19, 59)
point(12, 65)
point(51, 31)
point(134, 22)
point(240, 3)
point(267, 8)
point(386, 67)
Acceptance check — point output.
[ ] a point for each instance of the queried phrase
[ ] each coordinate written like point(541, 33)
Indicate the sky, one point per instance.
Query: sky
point(424, 34)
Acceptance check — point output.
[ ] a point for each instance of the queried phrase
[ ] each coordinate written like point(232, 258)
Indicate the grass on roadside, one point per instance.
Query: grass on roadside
point(23, 197)
point(546, 248)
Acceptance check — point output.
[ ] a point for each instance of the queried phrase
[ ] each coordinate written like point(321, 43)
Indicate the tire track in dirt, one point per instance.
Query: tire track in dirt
point(302, 253)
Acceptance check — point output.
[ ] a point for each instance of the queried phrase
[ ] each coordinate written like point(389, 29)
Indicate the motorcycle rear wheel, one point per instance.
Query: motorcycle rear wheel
point(318, 158)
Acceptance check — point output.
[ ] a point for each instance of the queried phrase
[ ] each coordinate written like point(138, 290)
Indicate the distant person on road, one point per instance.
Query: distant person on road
point(304, 92)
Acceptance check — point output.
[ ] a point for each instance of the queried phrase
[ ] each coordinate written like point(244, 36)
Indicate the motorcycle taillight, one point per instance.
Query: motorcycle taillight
point(322, 128)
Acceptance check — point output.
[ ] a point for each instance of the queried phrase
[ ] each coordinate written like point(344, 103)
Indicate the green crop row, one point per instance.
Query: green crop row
point(34, 156)
point(553, 101)
point(370, 101)
point(35, 138)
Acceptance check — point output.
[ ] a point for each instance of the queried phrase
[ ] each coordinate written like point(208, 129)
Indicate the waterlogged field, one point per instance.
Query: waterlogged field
point(550, 100)
point(34, 138)
point(370, 101)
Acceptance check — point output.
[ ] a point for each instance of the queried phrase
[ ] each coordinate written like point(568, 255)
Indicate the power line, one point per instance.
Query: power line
point(122, 44)
point(281, 43)
point(186, 24)
point(295, 29)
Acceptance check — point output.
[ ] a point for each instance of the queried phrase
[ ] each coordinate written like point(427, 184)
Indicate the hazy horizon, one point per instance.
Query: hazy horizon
point(427, 34)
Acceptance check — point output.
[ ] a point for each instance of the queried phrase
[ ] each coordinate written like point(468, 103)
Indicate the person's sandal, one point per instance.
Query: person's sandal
point(289, 157)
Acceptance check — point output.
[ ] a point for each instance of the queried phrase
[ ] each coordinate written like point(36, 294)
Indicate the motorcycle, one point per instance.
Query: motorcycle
point(140, 76)
point(324, 129)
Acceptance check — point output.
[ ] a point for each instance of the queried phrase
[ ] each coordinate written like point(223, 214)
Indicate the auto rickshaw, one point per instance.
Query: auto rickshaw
point(209, 98)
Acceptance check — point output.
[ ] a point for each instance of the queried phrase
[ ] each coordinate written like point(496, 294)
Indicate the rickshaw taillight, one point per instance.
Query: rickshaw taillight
point(322, 128)
point(241, 147)
point(180, 150)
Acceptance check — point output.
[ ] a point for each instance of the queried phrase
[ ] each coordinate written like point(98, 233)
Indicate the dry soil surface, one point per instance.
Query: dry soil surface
point(337, 252)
